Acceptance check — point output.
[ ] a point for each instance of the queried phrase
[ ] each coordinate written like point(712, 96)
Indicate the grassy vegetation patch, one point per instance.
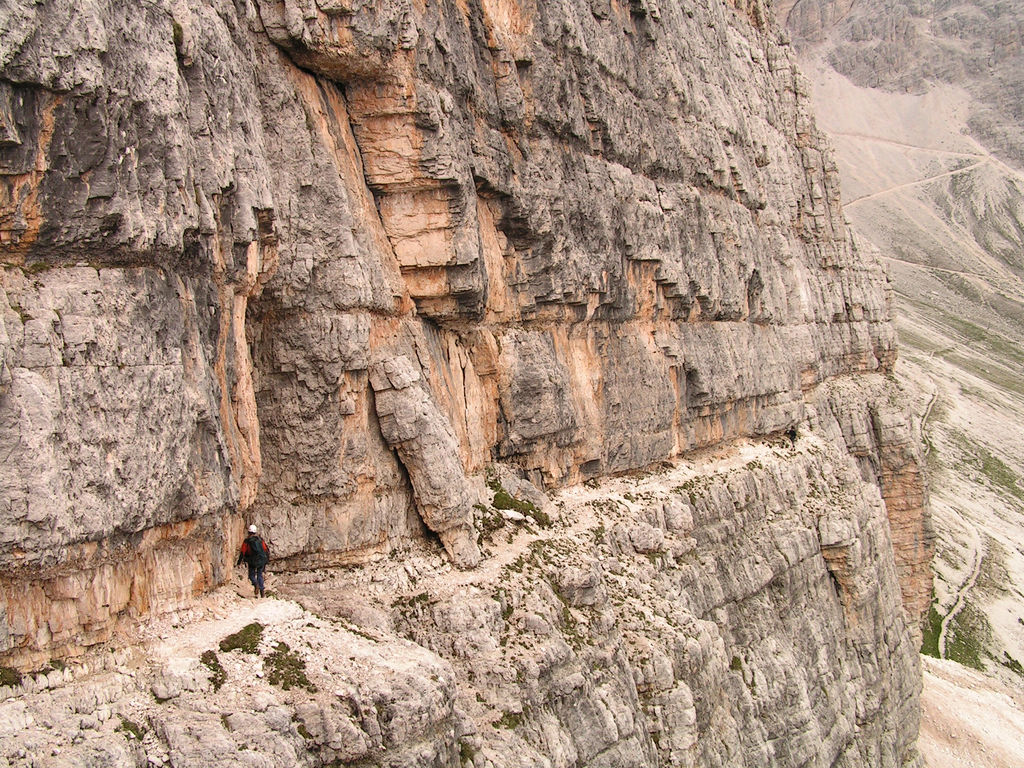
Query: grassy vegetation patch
point(930, 639)
point(285, 668)
point(570, 627)
point(9, 676)
point(1002, 349)
point(995, 470)
point(247, 639)
point(998, 376)
point(1000, 474)
point(300, 726)
point(1012, 664)
point(489, 520)
point(910, 339)
point(695, 488)
point(130, 729)
point(411, 606)
point(52, 665)
point(968, 635)
point(218, 673)
point(505, 601)
point(504, 500)
point(510, 720)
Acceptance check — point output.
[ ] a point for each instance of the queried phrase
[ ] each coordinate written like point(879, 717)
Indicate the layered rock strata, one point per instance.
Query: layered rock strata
point(738, 609)
point(319, 264)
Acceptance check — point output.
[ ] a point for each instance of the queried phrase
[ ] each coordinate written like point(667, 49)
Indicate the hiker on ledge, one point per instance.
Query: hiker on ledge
point(256, 554)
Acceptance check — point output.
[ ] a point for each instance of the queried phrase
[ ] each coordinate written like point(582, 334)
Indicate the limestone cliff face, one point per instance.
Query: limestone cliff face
point(319, 264)
point(739, 608)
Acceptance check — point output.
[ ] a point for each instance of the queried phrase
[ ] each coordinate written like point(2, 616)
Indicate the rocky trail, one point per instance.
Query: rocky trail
point(375, 654)
point(931, 268)
point(915, 183)
point(905, 145)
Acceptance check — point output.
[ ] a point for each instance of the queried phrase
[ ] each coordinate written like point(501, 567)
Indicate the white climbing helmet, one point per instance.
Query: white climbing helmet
point(252, 529)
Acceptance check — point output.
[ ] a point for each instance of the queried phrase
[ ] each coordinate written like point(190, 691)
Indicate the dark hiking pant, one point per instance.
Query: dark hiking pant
point(256, 576)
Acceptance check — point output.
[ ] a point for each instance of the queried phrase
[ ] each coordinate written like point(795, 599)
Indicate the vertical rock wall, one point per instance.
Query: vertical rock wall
point(318, 264)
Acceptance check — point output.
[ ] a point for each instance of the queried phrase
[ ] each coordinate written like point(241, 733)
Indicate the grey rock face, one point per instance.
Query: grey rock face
point(76, 349)
point(319, 264)
point(412, 424)
point(638, 220)
point(741, 611)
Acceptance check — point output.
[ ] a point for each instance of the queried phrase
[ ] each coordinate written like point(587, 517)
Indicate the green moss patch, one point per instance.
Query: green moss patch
point(968, 635)
point(247, 639)
point(285, 668)
point(505, 500)
point(510, 720)
point(1000, 476)
point(930, 635)
point(1012, 664)
point(130, 729)
point(217, 672)
point(51, 666)
point(9, 676)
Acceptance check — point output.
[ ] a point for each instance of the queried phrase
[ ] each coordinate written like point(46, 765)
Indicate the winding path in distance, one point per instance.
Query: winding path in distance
point(961, 593)
point(981, 154)
point(919, 264)
point(917, 182)
point(905, 145)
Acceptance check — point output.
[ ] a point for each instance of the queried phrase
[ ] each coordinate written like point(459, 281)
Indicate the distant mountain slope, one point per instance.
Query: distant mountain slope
point(925, 105)
point(911, 45)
